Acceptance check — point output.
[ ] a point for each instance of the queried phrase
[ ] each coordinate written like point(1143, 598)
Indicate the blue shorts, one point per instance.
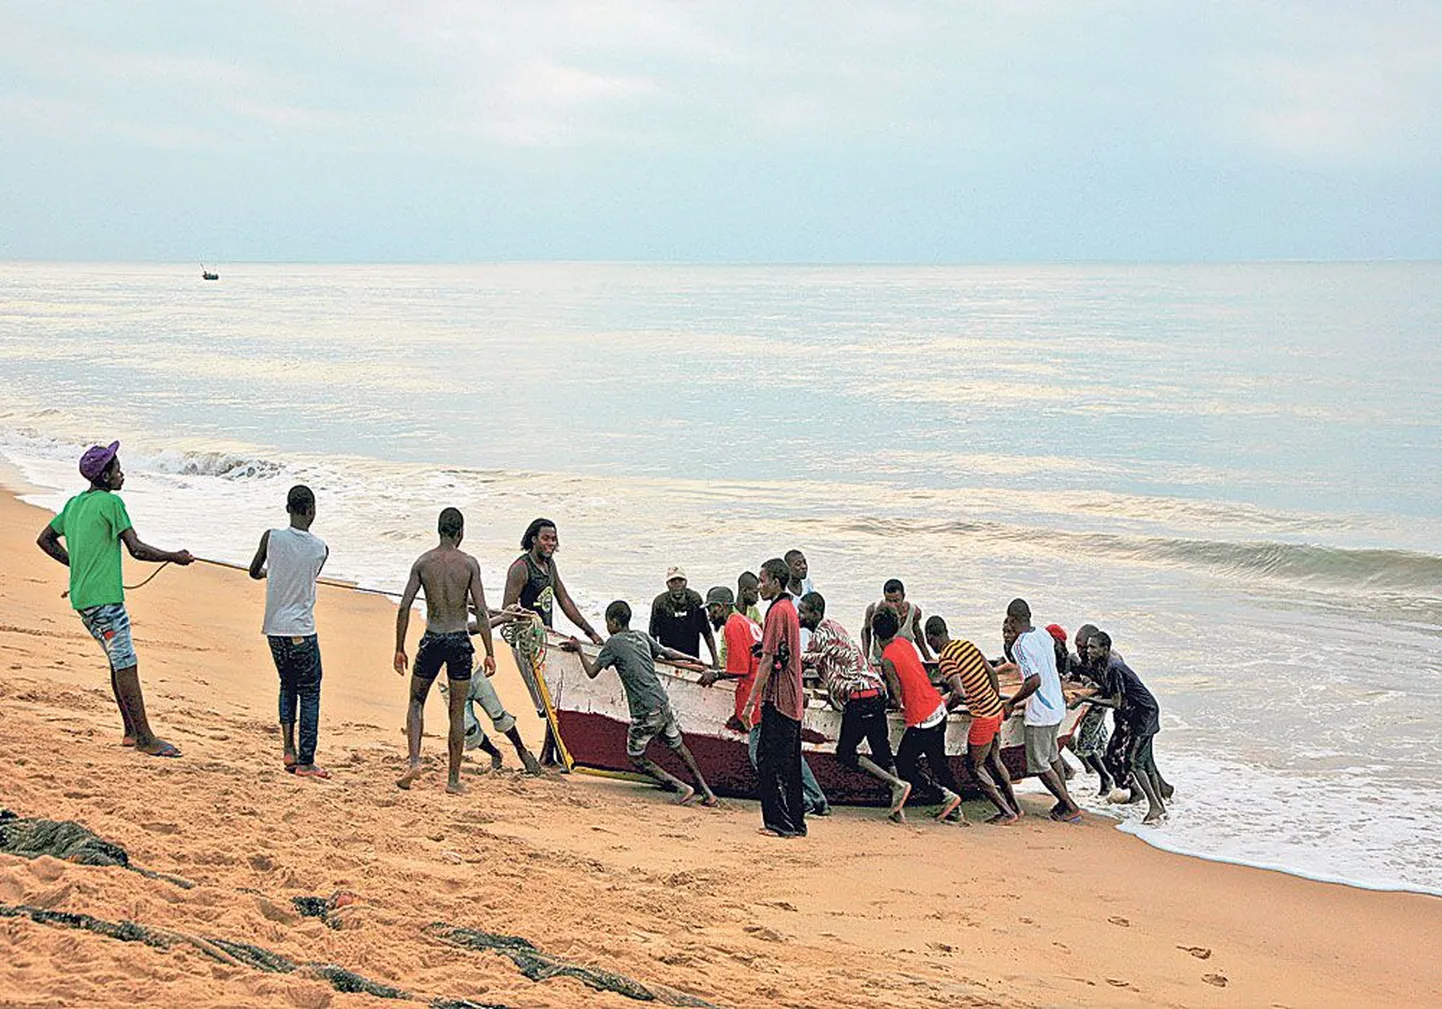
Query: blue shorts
point(109, 624)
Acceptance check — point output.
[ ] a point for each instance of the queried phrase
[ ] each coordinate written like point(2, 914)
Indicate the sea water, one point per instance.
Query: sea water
point(1233, 469)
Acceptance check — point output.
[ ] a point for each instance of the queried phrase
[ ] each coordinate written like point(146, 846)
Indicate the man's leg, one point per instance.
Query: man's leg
point(976, 763)
point(1141, 758)
point(791, 765)
point(280, 652)
point(753, 747)
point(1094, 762)
point(812, 797)
point(132, 702)
point(307, 680)
point(1001, 775)
point(483, 690)
point(863, 719)
point(934, 749)
point(1041, 760)
point(110, 626)
point(708, 797)
point(127, 737)
point(415, 724)
point(456, 737)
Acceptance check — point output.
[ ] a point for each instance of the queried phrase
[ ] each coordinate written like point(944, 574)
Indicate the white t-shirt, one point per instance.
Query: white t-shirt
point(1035, 653)
point(293, 559)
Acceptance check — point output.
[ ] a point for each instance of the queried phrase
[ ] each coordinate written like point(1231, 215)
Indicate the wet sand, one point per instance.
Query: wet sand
point(605, 873)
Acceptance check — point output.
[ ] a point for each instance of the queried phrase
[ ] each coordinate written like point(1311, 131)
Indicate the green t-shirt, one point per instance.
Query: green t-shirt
point(91, 524)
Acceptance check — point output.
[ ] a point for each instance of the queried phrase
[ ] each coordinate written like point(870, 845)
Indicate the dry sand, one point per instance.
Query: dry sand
point(861, 913)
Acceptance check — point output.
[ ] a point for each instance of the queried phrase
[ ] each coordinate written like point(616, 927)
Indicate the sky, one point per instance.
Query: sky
point(432, 131)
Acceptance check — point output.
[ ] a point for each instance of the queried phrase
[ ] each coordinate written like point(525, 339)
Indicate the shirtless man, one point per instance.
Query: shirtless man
point(450, 578)
point(533, 583)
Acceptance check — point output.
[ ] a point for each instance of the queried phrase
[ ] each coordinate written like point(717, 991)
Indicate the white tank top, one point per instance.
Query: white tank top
point(293, 559)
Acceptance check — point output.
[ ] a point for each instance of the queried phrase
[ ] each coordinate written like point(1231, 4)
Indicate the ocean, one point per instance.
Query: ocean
point(1233, 469)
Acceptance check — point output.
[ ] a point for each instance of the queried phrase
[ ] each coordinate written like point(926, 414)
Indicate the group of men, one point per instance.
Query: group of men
point(767, 654)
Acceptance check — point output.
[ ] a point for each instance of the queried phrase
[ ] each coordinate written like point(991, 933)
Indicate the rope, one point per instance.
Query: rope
point(528, 637)
point(132, 588)
point(332, 582)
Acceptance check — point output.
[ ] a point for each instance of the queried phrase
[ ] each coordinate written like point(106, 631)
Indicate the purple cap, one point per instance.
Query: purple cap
point(96, 458)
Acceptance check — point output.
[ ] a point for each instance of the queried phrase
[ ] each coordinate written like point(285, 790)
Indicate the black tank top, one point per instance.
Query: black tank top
point(539, 592)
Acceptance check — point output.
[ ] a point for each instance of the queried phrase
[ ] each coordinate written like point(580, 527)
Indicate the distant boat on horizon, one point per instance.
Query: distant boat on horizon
point(208, 274)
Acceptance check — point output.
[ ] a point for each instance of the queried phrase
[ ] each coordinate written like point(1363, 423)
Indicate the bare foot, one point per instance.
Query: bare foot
point(412, 773)
point(1004, 819)
point(710, 801)
point(899, 794)
point(311, 771)
point(685, 795)
point(897, 816)
point(496, 761)
point(529, 763)
point(1168, 791)
point(288, 757)
point(455, 788)
point(1154, 817)
point(950, 801)
point(127, 740)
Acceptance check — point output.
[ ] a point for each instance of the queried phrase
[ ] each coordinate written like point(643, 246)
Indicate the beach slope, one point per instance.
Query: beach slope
point(688, 902)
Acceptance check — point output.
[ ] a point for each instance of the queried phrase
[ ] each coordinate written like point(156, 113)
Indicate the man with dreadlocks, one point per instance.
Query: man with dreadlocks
point(534, 584)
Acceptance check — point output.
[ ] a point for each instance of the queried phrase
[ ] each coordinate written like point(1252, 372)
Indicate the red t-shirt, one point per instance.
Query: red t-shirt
point(919, 699)
point(783, 687)
point(741, 634)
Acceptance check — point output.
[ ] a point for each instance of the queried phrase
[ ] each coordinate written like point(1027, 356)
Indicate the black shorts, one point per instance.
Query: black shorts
point(452, 650)
point(864, 718)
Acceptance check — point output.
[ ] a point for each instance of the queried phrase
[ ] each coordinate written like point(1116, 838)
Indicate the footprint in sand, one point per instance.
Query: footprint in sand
point(1118, 920)
point(1200, 952)
point(1219, 980)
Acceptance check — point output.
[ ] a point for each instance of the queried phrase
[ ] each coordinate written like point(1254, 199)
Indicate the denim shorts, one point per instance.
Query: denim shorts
point(109, 624)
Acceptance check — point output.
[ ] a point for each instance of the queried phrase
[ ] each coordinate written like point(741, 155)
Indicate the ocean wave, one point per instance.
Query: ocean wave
point(226, 465)
point(1307, 564)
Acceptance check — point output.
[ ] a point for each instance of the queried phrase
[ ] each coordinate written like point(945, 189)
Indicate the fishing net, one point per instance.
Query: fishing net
point(70, 842)
point(538, 966)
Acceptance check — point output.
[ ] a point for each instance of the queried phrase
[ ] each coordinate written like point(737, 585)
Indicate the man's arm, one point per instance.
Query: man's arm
point(893, 683)
point(681, 658)
point(1028, 687)
point(145, 552)
point(866, 632)
point(992, 674)
point(403, 616)
point(478, 598)
point(916, 632)
point(592, 668)
point(710, 640)
point(515, 581)
point(569, 609)
point(257, 563)
point(49, 541)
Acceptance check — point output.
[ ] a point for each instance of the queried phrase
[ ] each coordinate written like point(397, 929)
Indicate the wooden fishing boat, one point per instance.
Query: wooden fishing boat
point(590, 717)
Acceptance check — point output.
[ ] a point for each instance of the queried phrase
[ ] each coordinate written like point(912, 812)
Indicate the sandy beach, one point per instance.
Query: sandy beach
point(603, 873)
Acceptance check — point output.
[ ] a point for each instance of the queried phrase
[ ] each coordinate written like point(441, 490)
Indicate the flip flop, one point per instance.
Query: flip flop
point(314, 772)
point(289, 760)
point(168, 750)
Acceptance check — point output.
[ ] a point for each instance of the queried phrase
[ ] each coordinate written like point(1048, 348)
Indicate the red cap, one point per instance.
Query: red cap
point(1056, 631)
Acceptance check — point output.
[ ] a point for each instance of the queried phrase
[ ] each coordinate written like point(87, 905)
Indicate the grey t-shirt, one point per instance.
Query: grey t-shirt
point(633, 655)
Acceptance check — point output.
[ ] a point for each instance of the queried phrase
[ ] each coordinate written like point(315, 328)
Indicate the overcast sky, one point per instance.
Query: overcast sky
point(907, 132)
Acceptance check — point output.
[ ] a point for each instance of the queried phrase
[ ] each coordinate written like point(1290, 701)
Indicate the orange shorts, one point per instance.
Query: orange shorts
point(983, 730)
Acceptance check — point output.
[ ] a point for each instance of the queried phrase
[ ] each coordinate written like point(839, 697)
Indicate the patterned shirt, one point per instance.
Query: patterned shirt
point(840, 662)
point(961, 658)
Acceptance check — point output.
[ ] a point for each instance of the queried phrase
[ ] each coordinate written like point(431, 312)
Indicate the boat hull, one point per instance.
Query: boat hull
point(591, 718)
